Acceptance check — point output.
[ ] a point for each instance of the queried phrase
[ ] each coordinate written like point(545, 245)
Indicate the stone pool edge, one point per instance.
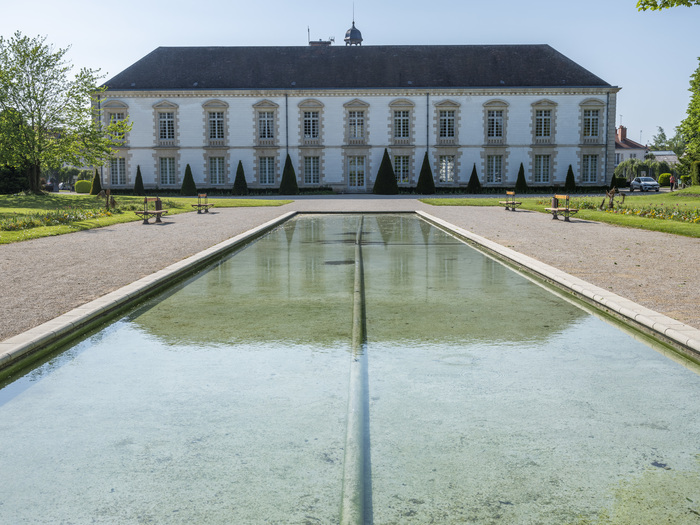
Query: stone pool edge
point(19, 350)
point(684, 338)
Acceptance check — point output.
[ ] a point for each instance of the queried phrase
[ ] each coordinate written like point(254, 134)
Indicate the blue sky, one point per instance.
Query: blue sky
point(650, 55)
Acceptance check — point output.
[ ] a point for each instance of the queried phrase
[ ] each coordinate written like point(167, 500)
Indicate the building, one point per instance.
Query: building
point(334, 109)
point(626, 149)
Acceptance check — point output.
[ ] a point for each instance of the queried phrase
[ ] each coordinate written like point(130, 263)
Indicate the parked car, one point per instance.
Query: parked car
point(644, 184)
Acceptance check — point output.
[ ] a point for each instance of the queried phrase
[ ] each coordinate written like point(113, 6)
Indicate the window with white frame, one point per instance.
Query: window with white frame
point(589, 168)
point(402, 124)
point(356, 172)
point(117, 171)
point(167, 171)
point(542, 164)
point(356, 124)
point(266, 170)
point(402, 168)
point(312, 172)
point(543, 123)
point(166, 125)
point(447, 123)
point(217, 170)
point(495, 123)
point(216, 125)
point(494, 169)
point(590, 122)
point(115, 118)
point(266, 124)
point(446, 168)
point(311, 126)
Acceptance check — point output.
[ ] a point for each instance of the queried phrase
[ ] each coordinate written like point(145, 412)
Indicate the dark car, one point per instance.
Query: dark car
point(644, 184)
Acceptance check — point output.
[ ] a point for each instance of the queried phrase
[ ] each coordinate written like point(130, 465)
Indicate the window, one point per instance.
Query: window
point(115, 118)
point(266, 170)
point(494, 169)
point(543, 123)
point(310, 124)
point(118, 171)
point(542, 168)
point(311, 170)
point(590, 123)
point(447, 168)
point(356, 125)
point(167, 170)
point(266, 125)
point(166, 125)
point(447, 123)
point(402, 124)
point(216, 125)
point(356, 172)
point(217, 170)
point(495, 123)
point(402, 167)
point(633, 155)
point(589, 171)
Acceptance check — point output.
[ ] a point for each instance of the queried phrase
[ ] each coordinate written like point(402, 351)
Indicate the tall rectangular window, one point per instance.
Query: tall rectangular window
point(494, 169)
point(589, 168)
point(402, 124)
point(495, 124)
point(167, 171)
point(542, 168)
point(356, 172)
point(590, 122)
point(115, 118)
point(217, 170)
point(118, 171)
point(402, 167)
point(266, 170)
point(447, 168)
point(266, 125)
point(356, 124)
point(311, 124)
point(166, 125)
point(216, 125)
point(311, 170)
point(543, 123)
point(447, 123)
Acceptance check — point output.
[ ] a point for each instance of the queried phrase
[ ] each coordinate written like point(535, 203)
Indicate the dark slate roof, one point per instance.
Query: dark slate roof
point(353, 67)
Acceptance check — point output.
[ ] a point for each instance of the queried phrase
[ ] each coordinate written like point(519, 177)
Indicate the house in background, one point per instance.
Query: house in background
point(334, 109)
point(626, 149)
point(665, 156)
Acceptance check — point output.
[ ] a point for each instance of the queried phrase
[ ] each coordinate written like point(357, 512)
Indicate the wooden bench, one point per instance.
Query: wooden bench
point(560, 205)
point(202, 203)
point(510, 203)
point(148, 211)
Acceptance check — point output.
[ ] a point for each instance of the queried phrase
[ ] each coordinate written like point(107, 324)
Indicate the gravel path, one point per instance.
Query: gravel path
point(47, 277)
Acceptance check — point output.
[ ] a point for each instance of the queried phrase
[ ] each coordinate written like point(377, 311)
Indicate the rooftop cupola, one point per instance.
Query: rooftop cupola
point(353, 37)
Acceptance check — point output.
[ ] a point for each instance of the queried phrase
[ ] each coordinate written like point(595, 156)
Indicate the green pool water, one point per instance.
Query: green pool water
point(488, 398)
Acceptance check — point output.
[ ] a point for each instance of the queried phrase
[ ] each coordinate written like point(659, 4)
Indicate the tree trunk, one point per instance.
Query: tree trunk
point(34, 178)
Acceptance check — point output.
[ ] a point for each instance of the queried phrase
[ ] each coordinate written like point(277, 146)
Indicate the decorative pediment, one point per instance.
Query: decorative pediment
point(496, 103)
point(215, 104)
point(311, 103)
point(593, 102)
point(265, 104)
point(545, 103)
point(401, 103)
point(446, 104)
point(356, 103)
point(165, 104)
point(114, 104)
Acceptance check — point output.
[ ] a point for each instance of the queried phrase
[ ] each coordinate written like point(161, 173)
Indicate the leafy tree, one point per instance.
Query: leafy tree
point(12, 180)
point(188, 186)
point(385, 183)
point(570, 184)
point(659, 142)
point(288, 184)
point(521, 183)
point(96, 184)
point(689, 128)
point(240, 186)
point(47, 118)
point(474, 185)
point(657, 5)
point(426, 182)
point(138, 183)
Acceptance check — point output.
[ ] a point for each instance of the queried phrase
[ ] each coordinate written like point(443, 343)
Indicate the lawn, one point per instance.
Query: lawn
point(24, 217)
point(677, 212)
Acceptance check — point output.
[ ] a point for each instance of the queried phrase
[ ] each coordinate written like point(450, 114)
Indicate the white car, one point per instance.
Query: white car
point(644, 184)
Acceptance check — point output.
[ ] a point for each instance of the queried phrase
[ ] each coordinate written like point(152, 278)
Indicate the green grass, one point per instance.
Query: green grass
point(643, 210)
point(27, 215)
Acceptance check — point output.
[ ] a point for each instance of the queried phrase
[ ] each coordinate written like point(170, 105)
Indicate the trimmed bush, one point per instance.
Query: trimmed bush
point(385, 183)
point(12, 181)
point(188, 186)
point(83, 186)
point(664, 179)
point(96, 184)
point(521, 183)
point(474, 185)
point(426, 183)
point(570, 184)
point(240, 186)
point(288, 184)
point(138, 183)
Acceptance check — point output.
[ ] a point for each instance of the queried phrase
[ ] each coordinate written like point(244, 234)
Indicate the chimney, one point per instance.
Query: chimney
point(621, 134)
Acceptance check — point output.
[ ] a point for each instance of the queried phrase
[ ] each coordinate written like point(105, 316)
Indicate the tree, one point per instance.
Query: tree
point(689, 128)
point(659, 142)
point(570, 184)
point(96, 184)
point(188, 186)
point(48, 119)
point(657, 5)
point(385, 183)
point(426, 182)
point(288, 184)
point(474, 185)
point(521, 183)
point(240, 186)
point(138, 183)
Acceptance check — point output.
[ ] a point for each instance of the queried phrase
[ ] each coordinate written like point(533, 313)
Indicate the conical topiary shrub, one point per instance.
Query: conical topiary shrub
point(521, 183)
point(570, 184)
point(474, 185)
point(138, 183)
point(240, 186)
point(288, 184)
point(96, 184)
point(426, 183)
point(385, 183)
point(188, 186)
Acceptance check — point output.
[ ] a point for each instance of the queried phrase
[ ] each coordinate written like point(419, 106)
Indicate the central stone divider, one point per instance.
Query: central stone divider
point(356, 505)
